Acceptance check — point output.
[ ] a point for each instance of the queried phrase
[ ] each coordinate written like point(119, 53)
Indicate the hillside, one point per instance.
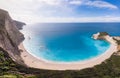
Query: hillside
point(12, 66)
point(9, 69)
point(10, 37)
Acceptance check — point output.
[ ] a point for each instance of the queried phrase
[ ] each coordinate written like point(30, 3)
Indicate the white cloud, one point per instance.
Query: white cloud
point(97, 3)
point(26, 10)
point(101, 4)
point(76, 2)
point(73, 19)
point(53, 2)
point(32, 11)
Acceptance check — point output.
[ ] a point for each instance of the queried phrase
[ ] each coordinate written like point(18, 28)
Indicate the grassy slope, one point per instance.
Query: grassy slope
point(9, 69)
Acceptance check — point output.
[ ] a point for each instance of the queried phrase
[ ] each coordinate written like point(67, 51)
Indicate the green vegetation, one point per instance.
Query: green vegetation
point(9, 69)
point(103, 34)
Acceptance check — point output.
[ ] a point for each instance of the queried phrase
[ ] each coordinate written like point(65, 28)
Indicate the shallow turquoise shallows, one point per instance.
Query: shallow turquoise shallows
point(66, 42)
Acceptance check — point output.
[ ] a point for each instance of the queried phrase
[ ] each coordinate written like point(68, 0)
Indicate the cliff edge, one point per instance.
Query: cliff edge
point(19, 24)
point(115, 40)
point(10, 37)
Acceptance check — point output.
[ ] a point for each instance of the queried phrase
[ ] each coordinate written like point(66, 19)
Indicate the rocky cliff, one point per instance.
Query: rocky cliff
point(19, 24)
point(111, 39)
point(10, 37)
point(107, 37)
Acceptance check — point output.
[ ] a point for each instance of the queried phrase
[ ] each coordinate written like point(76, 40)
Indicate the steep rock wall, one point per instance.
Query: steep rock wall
point(10, 37)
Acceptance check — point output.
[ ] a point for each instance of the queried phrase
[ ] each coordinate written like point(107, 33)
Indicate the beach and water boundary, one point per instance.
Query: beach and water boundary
point(32, 61)
point(37, 62)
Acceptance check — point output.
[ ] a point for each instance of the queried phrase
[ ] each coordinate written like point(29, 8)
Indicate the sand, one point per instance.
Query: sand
point(35, 62)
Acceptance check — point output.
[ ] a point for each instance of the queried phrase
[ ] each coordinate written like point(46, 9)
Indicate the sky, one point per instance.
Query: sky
point(34, 11)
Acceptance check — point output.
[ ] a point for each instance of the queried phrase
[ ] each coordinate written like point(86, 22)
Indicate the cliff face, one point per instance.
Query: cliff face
point(111, 39)
point(10, 37)
point(19, 24)
point(107, 37)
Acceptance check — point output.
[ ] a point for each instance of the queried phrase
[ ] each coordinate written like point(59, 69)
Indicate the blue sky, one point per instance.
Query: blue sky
point(33, 11)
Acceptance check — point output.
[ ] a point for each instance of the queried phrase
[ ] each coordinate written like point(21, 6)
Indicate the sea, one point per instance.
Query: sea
point(67, 42)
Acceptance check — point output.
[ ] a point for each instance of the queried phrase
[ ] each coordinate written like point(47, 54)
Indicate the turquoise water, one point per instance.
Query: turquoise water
point(66, 42)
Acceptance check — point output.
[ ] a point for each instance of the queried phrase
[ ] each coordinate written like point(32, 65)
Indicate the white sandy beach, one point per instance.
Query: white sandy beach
point(34, 62)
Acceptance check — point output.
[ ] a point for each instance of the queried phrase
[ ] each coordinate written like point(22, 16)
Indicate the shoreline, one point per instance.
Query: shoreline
point(34, 62)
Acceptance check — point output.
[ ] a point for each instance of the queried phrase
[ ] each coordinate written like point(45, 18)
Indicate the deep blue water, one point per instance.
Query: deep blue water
point(67, 42)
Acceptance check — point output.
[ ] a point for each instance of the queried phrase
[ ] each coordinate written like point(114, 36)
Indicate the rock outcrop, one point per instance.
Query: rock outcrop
point(19, 24)
point(10, 37)
point(105, 36)
point(111, 39)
